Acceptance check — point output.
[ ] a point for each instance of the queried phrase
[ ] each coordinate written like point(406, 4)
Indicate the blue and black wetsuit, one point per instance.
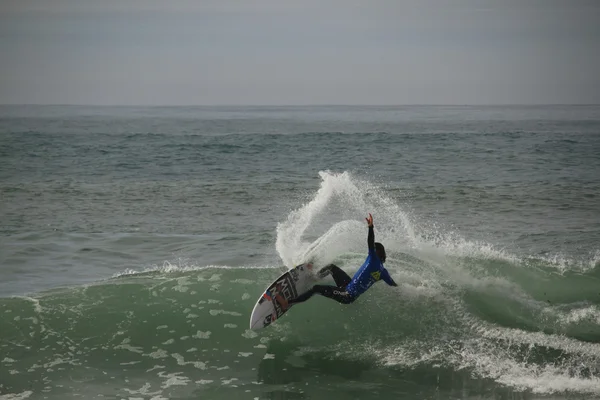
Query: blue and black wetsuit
point(348, 289)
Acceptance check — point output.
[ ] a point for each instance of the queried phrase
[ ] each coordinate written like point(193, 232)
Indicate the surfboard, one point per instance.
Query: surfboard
point(271, 304)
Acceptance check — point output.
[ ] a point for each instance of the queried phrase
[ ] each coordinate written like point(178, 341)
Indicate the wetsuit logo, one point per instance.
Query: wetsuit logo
point(376, 275)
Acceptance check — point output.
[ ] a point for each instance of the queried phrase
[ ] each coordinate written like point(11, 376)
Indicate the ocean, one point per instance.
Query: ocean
point(135, 241)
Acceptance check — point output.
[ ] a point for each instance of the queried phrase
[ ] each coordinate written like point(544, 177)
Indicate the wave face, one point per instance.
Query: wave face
point(467, 320)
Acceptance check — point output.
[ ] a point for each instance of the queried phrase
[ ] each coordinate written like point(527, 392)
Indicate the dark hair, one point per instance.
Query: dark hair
point(380, 250)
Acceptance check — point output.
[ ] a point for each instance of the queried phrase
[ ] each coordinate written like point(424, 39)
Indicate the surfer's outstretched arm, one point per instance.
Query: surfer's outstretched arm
point(371, 235)
point(385, 275)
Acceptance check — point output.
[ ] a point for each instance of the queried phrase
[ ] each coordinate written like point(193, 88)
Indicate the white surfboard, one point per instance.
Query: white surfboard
point(288, 286)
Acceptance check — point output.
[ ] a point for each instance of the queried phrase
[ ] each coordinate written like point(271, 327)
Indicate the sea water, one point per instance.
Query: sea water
point(135, 242)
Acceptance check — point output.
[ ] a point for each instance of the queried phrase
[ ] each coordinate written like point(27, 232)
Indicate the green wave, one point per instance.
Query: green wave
point(184, 333)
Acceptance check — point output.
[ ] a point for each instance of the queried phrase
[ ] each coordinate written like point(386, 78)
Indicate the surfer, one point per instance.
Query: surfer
point(348, 289)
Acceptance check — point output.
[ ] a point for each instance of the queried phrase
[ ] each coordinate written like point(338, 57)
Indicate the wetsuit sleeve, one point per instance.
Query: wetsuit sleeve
point(385, 275)
point(371, 239)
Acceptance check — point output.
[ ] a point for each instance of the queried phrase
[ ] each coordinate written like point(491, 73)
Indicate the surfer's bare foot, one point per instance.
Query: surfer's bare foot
point(283, 303)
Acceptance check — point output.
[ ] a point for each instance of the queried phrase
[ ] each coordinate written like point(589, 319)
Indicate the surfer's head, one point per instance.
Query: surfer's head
point(380, 250)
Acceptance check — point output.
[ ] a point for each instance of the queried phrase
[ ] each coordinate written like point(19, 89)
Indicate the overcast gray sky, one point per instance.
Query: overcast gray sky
point(201, 52)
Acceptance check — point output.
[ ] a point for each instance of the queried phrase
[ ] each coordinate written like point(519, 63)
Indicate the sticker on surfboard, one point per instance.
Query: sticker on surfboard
point(271, 305)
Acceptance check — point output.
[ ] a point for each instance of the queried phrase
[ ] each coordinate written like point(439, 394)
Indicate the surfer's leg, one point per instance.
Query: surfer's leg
point(302, 297)
point(341, 278)
point(336, 293)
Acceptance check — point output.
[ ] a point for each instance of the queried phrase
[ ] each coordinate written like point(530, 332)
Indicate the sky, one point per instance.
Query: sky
point(282, 52)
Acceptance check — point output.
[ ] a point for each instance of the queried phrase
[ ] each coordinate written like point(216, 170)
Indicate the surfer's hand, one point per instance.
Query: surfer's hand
point(369, 220)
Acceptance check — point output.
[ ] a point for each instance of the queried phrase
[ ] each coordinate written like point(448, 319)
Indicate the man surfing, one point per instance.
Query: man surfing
point(348, 289)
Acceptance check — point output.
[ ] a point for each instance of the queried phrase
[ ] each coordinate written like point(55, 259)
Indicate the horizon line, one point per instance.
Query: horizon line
point(299, 105)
